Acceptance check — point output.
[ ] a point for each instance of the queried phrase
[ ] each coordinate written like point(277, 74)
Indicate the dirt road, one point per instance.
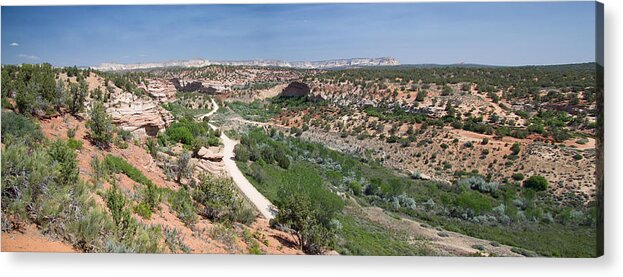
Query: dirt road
point(262, 204)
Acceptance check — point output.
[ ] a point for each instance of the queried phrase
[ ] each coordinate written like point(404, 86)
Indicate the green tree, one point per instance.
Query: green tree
point(297, 214)
point(536, 182)
point(76, 98)
point(61, 153)
point(516, 148)
point(100, 124)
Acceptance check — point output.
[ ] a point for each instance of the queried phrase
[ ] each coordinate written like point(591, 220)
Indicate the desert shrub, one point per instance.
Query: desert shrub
point(536, 182)
point(479, 184)
point(117, 204)
point(100, 169)
point(484, 141)
point(245, 215)
point(468, 144)
point(125, 135)
point(577, 157)
point(77, 96)
point(65, 158)
point(146, 239)
point(26, 176)
point(19, 127)
point(174, 241)
point(100, 125)
point(181, 202)
point(223, 234)
point(183, 167)
point(152, 148)
point(151, 196)
point(71, 132)
point(220, 199)
point(91, 228)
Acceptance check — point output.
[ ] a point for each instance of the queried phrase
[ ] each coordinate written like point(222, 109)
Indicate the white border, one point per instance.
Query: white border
point(25, 264)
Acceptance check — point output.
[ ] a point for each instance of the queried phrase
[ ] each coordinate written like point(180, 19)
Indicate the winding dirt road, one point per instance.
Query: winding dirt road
point(263, 205)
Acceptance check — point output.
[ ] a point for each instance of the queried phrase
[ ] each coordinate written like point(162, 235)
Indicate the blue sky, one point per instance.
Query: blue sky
point(485, 33)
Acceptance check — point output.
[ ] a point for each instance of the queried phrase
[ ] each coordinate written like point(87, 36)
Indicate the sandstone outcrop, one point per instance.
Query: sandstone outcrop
point(212, 154)
point(161, 90)
point(295, 89)
point(141, 116)
point(192, 86)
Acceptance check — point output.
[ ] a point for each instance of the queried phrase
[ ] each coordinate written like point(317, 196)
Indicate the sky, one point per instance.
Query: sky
point(414, 33)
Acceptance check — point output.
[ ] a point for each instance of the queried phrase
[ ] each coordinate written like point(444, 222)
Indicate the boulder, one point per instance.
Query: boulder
point(211, 154)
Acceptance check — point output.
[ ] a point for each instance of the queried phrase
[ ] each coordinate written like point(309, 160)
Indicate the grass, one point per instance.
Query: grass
point(150, 193)
point(64, 207)
point(360, 236)
point(321, 172)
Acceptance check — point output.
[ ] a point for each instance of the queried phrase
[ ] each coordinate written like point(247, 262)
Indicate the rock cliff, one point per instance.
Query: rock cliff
point(141, 116)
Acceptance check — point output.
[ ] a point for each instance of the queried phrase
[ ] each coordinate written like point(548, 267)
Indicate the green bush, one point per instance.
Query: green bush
point(181, 202)
point(125, 135)
point(19, 127)
point(220, 199)
point(241, 153)
point(122, 218)
point(143, 210)
point(282, 160)
point(518, 176)
point(74, 144)
point(100, 125)
point(516, 148)
point(152, 147)
point(65, 158)
point(475, 201)
point(536, 182)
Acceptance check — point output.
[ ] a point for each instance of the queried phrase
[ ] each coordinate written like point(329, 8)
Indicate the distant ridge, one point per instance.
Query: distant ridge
point(326, 64)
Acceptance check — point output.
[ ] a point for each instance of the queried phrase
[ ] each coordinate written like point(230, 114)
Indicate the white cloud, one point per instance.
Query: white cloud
point(28, 57)
point(14, 44)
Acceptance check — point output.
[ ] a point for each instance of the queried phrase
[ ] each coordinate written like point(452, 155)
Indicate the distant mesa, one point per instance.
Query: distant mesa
point(295, 89)
point(326, 64)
